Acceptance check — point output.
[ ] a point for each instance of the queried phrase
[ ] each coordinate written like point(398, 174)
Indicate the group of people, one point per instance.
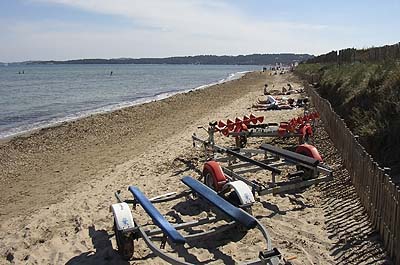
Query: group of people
point(271, 103)
point(286, 90)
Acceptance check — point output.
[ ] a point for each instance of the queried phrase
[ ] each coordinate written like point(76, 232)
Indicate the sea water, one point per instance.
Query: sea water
point(37, 96)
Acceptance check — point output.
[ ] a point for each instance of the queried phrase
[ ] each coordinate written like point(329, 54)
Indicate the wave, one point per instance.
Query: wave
point(28, 128)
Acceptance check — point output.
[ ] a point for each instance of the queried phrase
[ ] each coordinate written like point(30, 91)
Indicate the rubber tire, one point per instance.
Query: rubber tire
point(234, 199)
point(209, 179)
point(124, 243)
point(241, 141)
point(308, 173)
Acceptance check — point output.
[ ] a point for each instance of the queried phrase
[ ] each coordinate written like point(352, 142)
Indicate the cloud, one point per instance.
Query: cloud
point(184, 16)
point(161, 28)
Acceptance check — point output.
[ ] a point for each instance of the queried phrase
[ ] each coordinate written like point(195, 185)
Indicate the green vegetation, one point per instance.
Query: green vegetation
point(367, 97)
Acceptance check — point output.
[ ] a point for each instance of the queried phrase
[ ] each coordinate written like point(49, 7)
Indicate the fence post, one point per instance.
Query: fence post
point(378, 195)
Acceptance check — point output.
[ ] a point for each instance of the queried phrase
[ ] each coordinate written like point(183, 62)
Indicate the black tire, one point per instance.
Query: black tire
point(233, 198)
point(209, 179)
point(308, 172)
point(124, 243)
point(241, 141)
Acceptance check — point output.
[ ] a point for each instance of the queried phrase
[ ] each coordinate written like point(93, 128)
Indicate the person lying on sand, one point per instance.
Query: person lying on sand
point(284, 91)
point(273, 104)
point(269, 103)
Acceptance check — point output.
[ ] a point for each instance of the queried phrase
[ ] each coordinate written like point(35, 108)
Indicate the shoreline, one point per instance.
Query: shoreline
point(63, 151)
point(32, 128)
point(57, 185)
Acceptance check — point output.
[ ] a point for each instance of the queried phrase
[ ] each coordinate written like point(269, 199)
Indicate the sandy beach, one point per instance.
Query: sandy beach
point(57, 185)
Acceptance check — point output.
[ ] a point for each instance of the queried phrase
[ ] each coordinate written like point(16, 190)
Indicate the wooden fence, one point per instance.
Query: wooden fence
point(351, 55)
point(375, 188)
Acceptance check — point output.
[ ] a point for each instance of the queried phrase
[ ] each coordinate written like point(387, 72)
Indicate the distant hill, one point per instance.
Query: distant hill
point(253, 59)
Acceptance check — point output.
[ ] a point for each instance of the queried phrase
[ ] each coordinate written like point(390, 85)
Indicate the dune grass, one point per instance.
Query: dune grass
point(367, 96)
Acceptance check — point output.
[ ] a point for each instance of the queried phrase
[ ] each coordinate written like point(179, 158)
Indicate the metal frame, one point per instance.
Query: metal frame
point(257, 133)
point(149, 236)
point(271, 162)
point(259, 130)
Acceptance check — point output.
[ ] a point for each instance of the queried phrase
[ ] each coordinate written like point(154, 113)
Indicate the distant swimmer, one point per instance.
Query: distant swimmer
point(111, 73)
point(23, 72)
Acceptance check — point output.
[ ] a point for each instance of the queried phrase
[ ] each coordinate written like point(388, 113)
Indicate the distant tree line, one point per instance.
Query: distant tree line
point(253, 59)
point(351, 55)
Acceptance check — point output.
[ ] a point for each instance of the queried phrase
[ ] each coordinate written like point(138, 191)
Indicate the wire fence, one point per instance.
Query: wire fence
point(375, 188)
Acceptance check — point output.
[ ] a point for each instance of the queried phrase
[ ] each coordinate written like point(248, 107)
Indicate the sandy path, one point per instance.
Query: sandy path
point(58, 183)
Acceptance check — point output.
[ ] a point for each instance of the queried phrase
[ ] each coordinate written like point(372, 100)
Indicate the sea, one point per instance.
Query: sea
point(38, 96)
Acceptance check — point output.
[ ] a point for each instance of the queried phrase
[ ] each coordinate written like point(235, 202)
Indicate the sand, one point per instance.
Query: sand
point(57, 185)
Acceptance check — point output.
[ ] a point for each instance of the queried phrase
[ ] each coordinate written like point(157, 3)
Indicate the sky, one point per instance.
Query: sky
point(73, 29)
